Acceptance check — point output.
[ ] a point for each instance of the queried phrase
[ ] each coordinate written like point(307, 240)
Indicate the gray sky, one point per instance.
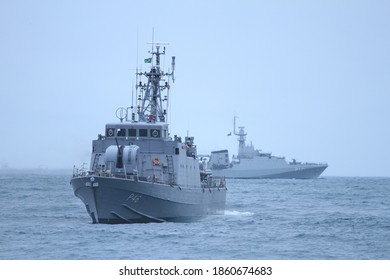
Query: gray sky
point(308, 79)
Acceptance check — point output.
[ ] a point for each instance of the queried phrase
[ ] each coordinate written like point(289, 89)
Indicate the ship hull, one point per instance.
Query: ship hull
point(118, 200)
point(288, 172)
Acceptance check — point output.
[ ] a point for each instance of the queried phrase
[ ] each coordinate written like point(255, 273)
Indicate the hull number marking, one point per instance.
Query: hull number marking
point(133, 198)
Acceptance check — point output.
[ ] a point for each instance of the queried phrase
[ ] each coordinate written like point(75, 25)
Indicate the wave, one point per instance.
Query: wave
point(238, 213)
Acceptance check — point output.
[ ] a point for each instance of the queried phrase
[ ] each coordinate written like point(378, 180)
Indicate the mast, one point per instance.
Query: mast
point(241, 138)
point(150, 107)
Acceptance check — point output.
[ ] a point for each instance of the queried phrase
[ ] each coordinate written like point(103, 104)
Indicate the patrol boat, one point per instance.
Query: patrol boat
point(138, 172)
point(252, 163)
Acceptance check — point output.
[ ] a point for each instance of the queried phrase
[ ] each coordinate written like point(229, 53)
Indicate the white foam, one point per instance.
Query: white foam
point(238, 213)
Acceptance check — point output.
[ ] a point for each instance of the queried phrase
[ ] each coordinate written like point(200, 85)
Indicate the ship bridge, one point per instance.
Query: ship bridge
point(137, 130)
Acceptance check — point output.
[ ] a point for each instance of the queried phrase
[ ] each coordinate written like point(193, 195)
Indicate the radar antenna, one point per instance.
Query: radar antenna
point(121, 114)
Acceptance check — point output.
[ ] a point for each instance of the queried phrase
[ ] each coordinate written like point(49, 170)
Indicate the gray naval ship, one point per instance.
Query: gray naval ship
point(252, 163)
point(138, 172)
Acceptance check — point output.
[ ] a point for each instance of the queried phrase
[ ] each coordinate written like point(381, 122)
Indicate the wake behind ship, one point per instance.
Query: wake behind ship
point(138, 172)
point(254, 164)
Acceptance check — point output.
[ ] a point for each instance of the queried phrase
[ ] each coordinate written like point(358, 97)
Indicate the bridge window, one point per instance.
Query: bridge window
point(121, 132)
point(143, 132)
point(132, 132)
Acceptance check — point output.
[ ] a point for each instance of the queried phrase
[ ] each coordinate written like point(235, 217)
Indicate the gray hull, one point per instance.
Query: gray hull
point(288, 172)
point(116, 200)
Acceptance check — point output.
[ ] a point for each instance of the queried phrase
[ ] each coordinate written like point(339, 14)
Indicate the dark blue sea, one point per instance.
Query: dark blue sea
point(324, 219)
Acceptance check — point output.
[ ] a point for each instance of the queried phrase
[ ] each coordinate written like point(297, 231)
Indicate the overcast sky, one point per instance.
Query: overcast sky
point(308, 79)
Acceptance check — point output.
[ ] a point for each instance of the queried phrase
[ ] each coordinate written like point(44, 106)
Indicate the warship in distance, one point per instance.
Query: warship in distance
point(251, 163)
point(138, 173)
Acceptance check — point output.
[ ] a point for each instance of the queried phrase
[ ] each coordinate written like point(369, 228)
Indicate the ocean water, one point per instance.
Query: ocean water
point(324, 219)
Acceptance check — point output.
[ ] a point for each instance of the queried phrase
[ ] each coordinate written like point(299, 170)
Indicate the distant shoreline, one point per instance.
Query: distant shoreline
point(37, 170)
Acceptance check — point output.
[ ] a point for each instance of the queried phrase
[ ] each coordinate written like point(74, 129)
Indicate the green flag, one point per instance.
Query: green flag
point(148, 60)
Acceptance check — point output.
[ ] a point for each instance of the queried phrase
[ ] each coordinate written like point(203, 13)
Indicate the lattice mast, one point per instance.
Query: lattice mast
point(150, 101)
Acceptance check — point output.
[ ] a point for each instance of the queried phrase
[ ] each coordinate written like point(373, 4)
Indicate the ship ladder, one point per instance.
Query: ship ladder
point(170, 170)
point(95, 162)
